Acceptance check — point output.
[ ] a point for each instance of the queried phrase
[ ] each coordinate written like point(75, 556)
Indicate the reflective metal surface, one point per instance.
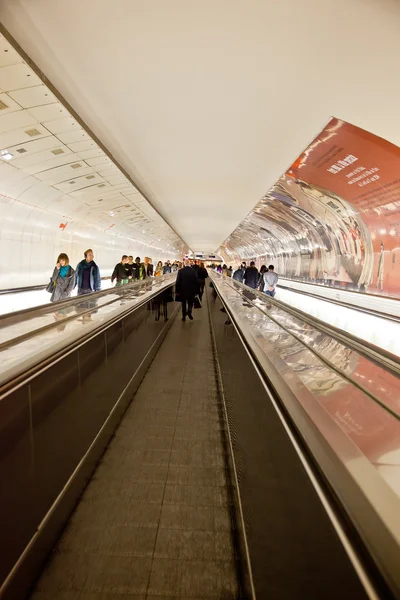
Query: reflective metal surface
point(318, 382)
point(29, 336)
point(55, 424)
point(299, 352)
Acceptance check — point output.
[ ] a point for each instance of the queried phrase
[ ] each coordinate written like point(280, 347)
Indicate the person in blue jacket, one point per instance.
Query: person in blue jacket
point(88, 275)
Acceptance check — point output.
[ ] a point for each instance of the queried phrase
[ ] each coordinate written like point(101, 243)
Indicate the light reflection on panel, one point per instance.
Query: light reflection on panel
point(23, 354)
point(291, 349)
point(14, 302)
point(375, 330)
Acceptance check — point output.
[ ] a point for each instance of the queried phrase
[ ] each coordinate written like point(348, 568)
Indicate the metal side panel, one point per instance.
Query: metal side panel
point(63, 421)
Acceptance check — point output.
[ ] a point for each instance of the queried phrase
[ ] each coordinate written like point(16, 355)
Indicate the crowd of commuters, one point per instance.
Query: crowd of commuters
point(190, 280)
point(264, 280)
point(86, 276)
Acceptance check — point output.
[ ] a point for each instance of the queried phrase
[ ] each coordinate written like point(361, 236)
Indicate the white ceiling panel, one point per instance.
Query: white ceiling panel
point(7, 104)
point(62, 125)
point(20, 136)
point(36, 145)
point(73, 136)
point(100, 161)
point(16, 120)
point(33, 96)
point(8, 56)
point(81, 146)
point(65, 173)
point(40, 161)
point(16, 77)
point(49, 112)
point(18, 188)
point(86, 154)
point(79, 183)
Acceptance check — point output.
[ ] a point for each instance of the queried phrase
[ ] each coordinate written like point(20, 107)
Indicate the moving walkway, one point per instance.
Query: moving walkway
point(240, 455)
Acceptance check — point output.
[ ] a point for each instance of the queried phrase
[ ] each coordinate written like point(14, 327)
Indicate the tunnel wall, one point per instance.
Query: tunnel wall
point(31, 238)
point(61, 190)
point(333, 217)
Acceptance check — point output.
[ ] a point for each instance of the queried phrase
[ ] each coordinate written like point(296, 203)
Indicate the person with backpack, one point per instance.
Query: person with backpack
point(62, 282)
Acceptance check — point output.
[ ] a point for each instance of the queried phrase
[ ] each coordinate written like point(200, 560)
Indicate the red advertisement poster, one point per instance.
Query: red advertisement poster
point(346, 163)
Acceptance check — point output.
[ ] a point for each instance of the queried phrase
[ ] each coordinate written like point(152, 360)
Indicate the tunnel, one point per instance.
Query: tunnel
point(199, 300)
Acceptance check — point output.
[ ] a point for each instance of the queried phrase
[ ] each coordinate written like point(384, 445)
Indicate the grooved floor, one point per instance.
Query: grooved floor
point(154, 521)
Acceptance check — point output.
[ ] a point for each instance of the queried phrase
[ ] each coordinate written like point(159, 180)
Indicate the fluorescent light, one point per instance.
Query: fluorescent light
point(111, 213)
point(6, 155)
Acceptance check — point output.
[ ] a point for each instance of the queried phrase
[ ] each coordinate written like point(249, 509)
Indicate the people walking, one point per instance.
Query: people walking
point(62, 282)
point(149, 266)
point(159, 269)
point(202, 275)
point(187, 287)
point(88, 275)
point(270, 281)
point(239, 274)
point(250, 277)
point(263, 269)
point(139, 270)
point(122, 272)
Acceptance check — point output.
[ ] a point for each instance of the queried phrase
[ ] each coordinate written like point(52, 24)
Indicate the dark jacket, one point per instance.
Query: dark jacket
point(202, 274)
point(138, 271)
point(187, 284)
point(95, 279)
point(63, 285)
point(238, 275)
point(251, 277)
point(121, 272)
point(149, 270)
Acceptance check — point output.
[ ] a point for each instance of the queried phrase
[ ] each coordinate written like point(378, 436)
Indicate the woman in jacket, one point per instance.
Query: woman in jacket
point(63, 279)
point(202, 276)
point(159, 269)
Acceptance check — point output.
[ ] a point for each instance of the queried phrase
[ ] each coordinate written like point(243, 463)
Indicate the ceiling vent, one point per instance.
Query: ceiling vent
point(101, 185)
point(32, 132)
point(76, 166)
point(58, 151)
point(71, 182)
point(3, 105)
point(90, 177)
point(21, 150)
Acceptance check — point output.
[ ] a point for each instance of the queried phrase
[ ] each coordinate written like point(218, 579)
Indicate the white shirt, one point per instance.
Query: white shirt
point(270, 280)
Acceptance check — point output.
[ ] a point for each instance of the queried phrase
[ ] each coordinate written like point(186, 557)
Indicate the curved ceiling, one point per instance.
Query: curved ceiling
point(206, 104)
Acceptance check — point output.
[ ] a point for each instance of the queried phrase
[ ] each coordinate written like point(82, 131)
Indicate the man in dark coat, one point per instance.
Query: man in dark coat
point(250, 277)
point(187, 287)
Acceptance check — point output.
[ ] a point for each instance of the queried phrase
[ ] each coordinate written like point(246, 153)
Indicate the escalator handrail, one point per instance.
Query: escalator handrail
point(16, 376)
point(17, 316)
point(353, 488)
